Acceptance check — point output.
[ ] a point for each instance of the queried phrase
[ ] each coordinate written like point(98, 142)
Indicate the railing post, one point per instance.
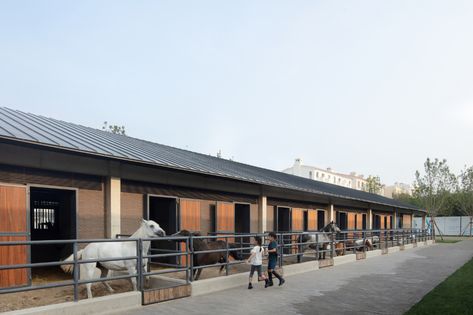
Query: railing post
point(76, 273)
point(187, 260)
point(332, 247)
point(139, 264)
point(226, 258)
point(317, 246)
point(191, 257)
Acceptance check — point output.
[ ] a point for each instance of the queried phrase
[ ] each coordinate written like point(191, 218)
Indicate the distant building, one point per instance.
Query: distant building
point(396, 189)
point(351, 180)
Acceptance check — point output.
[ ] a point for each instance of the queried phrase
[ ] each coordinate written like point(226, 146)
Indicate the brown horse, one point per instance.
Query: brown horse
point(204, 259)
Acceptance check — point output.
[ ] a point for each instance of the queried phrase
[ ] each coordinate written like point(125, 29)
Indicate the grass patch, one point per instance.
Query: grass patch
point(453, 296)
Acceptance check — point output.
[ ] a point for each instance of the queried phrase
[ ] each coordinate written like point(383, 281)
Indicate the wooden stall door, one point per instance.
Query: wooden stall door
point(225, 218)
point(297, 219)
point(13, 227)
point(351, 224)
point(189, 213)
point(406, 221)
point(358, 225)
point(312, 220)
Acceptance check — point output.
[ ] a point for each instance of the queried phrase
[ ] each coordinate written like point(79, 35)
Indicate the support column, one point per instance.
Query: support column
point(395, 214)
point(370, 219)
point(112, 204)
point(262, 214)
point(423, 222)
point(331, 213)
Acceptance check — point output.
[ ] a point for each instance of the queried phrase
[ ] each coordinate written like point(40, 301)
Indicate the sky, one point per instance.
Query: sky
point(374, 87)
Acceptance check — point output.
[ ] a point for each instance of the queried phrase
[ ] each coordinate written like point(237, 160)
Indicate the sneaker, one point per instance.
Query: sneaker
point(250, 286)
point(281, 282)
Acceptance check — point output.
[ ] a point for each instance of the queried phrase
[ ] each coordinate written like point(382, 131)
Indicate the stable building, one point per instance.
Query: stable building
point(59, 180)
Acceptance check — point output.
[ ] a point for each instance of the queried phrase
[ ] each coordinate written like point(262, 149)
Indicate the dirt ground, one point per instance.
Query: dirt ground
point(21, 300)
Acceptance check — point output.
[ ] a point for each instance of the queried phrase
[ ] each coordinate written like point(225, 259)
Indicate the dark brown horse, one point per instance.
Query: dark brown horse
point(204, 259)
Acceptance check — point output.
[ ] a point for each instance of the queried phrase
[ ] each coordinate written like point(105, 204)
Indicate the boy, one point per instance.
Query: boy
point(272, 260)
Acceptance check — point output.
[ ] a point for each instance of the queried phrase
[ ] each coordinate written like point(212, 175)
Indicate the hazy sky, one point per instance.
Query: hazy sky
point(369, 86)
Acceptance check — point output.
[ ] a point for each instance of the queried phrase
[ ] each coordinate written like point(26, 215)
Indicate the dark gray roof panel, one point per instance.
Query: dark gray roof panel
point(22, 126)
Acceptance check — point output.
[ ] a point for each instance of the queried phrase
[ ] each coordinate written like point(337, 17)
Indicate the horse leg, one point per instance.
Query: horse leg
point(89, 272)
point(197, 276)
point(132, 271)
point(105, 283)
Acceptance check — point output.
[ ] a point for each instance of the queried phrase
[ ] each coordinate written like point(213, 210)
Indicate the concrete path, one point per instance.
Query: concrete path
point(388, 284)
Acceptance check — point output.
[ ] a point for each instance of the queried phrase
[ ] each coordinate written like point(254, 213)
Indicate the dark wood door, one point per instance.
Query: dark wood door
point(13, 227)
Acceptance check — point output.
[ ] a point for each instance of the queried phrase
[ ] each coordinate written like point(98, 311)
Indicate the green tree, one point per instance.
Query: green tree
point(119, 130)
point(464, 193)
point(373, 185)
point(434, 186)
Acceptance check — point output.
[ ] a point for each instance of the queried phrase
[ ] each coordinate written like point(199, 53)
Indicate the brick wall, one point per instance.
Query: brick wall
point(91, 214)
point(131, 211)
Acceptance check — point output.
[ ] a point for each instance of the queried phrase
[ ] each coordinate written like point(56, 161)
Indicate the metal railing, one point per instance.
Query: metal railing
point(312, 245)
point(139, 257)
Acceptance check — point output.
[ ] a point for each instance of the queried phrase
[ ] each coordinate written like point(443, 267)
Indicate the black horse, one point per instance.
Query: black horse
point(204, 259)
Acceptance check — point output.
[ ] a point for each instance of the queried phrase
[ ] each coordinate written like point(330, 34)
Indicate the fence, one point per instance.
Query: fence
point(293, 247)
point(454, 226)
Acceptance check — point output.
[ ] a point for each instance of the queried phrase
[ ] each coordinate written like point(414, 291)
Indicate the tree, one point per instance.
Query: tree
point(464, 193)
point(373, 185)
point(119, 130)
point(434, 186)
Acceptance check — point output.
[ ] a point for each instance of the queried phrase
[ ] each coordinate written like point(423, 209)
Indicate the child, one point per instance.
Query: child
point(272, 260)
point(256, 261)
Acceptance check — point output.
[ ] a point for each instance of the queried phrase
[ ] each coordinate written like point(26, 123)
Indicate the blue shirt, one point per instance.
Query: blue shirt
point(272, 245)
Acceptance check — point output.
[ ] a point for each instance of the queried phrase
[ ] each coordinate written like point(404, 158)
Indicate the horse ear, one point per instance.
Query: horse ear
point(143, 221)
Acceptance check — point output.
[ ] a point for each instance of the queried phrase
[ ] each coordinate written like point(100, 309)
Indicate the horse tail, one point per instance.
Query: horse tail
point(70, 267)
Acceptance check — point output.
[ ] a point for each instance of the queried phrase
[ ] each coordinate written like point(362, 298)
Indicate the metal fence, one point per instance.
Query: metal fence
point(453, 226)
point(292, 247)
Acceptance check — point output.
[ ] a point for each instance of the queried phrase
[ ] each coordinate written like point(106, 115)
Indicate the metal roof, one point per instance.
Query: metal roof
point(26, 127)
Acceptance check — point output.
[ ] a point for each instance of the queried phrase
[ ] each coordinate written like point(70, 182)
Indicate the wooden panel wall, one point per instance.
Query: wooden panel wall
point(312, 220)
point(297, 219)
point(12, 255)
point(189, 218)
point(359, 221)
point(351, 220)
point(13, 209)
point(225, 217)
point(406, 221)
point(13, 220)
point(189, 212)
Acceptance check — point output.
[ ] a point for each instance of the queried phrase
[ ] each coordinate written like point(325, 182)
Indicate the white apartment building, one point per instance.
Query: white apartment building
point(352, 180)
point(396, 189)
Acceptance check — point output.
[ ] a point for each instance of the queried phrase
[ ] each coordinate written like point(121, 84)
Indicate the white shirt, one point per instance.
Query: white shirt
point(257, 259)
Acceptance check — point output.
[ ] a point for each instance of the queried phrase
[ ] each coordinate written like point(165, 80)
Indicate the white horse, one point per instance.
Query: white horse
point(324, 239)
point(106, 250)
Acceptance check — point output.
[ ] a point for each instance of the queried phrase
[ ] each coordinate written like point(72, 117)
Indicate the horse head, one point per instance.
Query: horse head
point(331, 227)
point(151, 228)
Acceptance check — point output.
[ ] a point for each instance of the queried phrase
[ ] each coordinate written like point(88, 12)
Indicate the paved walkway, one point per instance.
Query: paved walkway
point(388, 284)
